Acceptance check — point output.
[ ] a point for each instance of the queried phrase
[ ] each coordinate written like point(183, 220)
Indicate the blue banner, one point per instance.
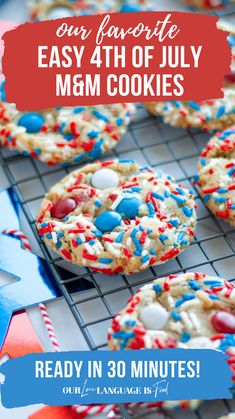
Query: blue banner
point(68, 378)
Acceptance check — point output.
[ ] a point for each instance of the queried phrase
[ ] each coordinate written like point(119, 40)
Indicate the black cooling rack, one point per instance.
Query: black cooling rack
point(94, 298)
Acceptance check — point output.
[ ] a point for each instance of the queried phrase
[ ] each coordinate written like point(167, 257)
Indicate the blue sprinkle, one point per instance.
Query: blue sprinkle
point(187, 211)
point(120, 237)
point(2, 91)
point(203, 161)
point(185, 337)
point(222, 190)
point(206, 198)
point(134, 232)
point(145, 259)
point(126, 161)
point(178, 199)
point(68, 137)
point(175, 316)
point(62, 126)
point(163, 238)
point(58, 244)
point(231, 171)
point(220, 111)
point(137, 244)
point(188, 296)
point(151, 209)
point(100, 116)
point(119, 122)
point(79, 109)
point(194, 285)
point(157, 288)
point(126, 8)
point(98, 204)
point(130, 323)
point(158, 196)
point(93, 134)
point(220, 199)
point(174, 223)
point(79, 241)
point(179, 302)
point(180, 190)
point(194, 105)
point(213, 297)
point(105, 260)
point(152, 252)
point(180, 236)
point(60, 234)
point(177, 104)
point(97, 233)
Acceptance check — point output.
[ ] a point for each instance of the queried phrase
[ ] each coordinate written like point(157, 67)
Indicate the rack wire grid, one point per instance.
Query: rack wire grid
point(95, 298)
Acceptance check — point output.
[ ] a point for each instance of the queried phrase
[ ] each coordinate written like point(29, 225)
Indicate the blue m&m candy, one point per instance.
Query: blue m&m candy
point(128, 8)
point(33, 122)
point(129, 207)
point(2, 92)
point(108, 221)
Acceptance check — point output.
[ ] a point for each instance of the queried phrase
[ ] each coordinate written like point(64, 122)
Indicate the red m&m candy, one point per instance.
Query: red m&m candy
point(223, 322)
point(230, 78)
point(63, 208)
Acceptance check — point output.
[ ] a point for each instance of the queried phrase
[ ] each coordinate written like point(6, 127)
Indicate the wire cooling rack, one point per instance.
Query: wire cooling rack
point(94, 298)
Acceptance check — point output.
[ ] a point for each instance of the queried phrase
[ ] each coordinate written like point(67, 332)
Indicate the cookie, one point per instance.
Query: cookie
point(190, 310)
point(117, 217)
point(226, 26)
point(229, 416)
point(65, 134)
point(215, 114)
point(216, 175)
point(55, 9)
point(208, 4)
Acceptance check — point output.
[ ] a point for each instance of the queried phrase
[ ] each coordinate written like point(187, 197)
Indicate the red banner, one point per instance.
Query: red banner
point(149, 56)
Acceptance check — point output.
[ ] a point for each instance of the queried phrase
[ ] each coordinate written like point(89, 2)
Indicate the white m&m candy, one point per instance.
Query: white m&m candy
point(59, 12)
point(154, 317)
point(104, 179)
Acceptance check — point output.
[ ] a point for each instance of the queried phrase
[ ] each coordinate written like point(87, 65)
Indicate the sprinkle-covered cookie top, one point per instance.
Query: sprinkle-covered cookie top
point(64, 134)
point(117, 217)
point(216, 175)
point(190, 310)
point(55, 9)
point(207, 115)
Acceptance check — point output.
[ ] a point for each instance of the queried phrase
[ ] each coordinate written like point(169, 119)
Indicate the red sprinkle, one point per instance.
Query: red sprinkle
point(66, 254)
point(168, 255)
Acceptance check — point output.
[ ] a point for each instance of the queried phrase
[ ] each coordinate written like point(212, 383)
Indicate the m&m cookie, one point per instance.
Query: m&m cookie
point(190, 310)
point(216, 175)
point(117, 217)
point(214, 114)
point(208, 4)
point(65, 134)
point(56, 9)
